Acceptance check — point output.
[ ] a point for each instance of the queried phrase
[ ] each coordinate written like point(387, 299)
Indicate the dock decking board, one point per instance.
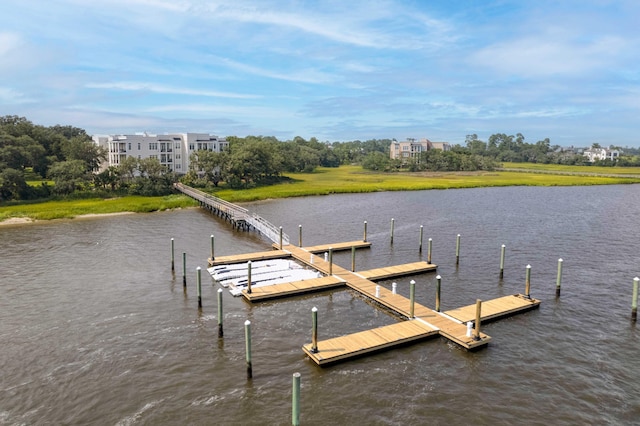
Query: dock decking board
point(495, 309)
point(240, 258)
point(325, 247)
point(398, 271)
point(292, 288)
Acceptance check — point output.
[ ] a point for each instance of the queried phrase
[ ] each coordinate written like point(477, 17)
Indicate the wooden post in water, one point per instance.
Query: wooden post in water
point(364, 239)
point(353, 258)
point(220, 317)
point(421, 234)
point(247, 339)
point(295, 402)
point(199, 285)
point(527, 283)
point(249, 277)
point(299, 235)
point(184, 269)
point(559, 279)
point(458, 249)
point(502, 249)
point(393, 221)
point(429, 251)
point(213, 253)
point(634, 300)
point(412, 298)
point(314, 330)
point(330, 260)
point(478, 316)
point(173, 268)
point(439, 278)
point(281, 238)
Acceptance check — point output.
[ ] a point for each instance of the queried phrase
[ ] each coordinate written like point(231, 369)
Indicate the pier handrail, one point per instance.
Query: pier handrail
point(235, 212)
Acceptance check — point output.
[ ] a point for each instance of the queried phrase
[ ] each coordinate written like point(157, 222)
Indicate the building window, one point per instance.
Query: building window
point(178, 166)
point(177, 145)
point(153, 146)
point(177, 156)
point(138, 146)
point(192, 146)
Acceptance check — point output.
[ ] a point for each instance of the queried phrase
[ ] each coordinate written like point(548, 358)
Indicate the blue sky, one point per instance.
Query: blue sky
point(335, 70)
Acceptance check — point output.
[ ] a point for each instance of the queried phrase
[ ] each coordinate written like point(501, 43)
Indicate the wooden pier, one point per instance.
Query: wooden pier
point(424, 323)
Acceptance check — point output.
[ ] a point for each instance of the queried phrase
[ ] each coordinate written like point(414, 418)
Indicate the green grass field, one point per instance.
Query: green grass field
point(345, 179)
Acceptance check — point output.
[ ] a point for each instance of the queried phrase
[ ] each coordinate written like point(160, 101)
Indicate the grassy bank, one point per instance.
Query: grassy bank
point(72, 208)
point(353, 179)
point(345, 179)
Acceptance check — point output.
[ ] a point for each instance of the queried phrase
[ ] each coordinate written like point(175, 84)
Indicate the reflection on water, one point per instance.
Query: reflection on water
point(96, 329)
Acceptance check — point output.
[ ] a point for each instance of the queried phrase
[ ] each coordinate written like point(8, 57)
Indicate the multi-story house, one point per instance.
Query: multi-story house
point(171, 150)
point(412, 148)
point(594, 154)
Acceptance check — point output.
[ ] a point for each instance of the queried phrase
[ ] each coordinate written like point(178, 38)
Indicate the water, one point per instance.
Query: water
point(95, 328)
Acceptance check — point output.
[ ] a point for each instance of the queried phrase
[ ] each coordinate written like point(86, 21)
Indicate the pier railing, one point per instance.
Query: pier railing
point(235, 213)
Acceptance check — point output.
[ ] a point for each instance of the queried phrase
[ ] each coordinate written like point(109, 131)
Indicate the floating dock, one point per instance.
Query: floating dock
point(424, 323)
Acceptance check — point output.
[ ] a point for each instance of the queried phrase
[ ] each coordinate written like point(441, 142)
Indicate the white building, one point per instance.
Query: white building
point(594, 154)
point(412, 148)
point(172, 150)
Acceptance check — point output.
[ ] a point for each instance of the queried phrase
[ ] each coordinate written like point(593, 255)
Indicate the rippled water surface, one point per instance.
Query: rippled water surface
point(96, 329)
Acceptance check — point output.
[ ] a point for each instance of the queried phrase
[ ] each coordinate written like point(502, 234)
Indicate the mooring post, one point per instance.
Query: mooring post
point(377, 291)
point(634, 300)
point(184, 269)
point(527, 283)
point(213, 254)
point(330, 260)
point(412, 298)
point(421, 234)
point(469, 328)
point(199, 285)
point(249, 277)
point(364, 239)
point(392, 226)
point(559, 279)
point(478, 316)
point(394, 288)
point(299, 235)
point(172, 257)
point(439, 278)
point(281, 238)
point(295, 403)
point(220, 330)
point(502, 249)
point(247, 339)
point(458, 249)
point(353, 258)
point(314, 330)
point(429, 251)
point(326, 256)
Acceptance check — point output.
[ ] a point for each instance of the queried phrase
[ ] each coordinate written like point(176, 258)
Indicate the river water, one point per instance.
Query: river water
point(96, 329)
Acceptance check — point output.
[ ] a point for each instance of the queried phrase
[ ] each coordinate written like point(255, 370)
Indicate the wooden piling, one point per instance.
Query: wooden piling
point(173, 268)
point(429, 251)
point(247, 339)
point(213, 254)
point(439, 279)
point(478, 317)
point(199, 285)
point(184, 269)
point(634, 300)
point(392, 226)
point(281, 238)
point(220, 315)
point(365, 232)
point(559, 279)
point(314, 330)
point(330, 260)
point(295, 400)
point(299, 236)
point(458, 249)
point(412, 298)
point(421, 234)
point(527, 284)
point(502, 250)
point(249, 277)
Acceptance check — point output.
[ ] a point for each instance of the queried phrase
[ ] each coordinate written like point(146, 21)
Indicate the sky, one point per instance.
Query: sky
point(334, 70)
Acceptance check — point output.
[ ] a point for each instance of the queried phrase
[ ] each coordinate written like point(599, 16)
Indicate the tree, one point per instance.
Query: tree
point(13, 185)
point(84, 149)
point(69, 176)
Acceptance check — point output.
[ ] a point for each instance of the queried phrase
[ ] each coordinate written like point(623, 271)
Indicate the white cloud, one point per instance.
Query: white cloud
point(158, 88)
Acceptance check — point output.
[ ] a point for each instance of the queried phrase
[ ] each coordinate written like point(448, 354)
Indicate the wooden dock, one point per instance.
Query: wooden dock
point(423, 324)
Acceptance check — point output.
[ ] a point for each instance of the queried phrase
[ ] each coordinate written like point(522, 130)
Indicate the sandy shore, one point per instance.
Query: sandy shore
point(27, 220)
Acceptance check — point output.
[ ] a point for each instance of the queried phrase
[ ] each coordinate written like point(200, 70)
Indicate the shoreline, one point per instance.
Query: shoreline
point(24, 220)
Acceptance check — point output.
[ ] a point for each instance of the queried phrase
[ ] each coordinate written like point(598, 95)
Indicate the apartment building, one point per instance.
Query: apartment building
point(412, 148)
point(172, 150)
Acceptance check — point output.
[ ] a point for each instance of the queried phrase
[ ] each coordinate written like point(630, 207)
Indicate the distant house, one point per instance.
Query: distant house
point(412, 148)
point(172, 150)
point(594, 154)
